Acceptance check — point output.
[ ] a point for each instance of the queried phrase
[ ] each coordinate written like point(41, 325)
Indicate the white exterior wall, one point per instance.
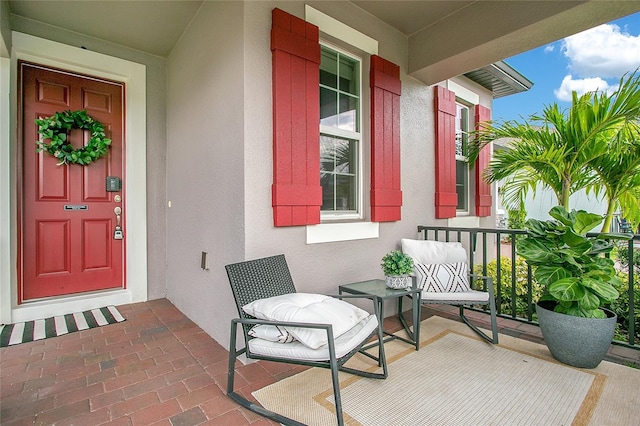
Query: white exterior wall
point(538, 207)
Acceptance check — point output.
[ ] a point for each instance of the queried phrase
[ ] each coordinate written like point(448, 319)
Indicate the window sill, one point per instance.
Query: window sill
point(331, 232)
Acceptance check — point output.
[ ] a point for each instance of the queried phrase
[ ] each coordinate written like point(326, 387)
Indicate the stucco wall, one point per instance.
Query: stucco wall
point(318, 267)
point(205, 170)
point(156, 137)
point(209, 151)
point(322, 267)
point(220, 161)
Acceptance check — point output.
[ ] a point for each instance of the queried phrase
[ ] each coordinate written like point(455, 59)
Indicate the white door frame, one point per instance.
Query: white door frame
point(47, 52)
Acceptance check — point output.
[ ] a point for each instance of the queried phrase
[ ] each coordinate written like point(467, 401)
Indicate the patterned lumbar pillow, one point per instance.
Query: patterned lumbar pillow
point(272, 333)
point(443, 277)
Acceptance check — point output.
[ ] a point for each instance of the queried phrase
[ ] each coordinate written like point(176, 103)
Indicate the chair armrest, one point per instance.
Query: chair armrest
point(359, 296)
point(488, 282)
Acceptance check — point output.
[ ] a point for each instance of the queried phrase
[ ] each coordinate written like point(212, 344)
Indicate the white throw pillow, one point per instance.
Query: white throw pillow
point(308, 308)
point(272, 333)
point(442, 278)
point(427, 251)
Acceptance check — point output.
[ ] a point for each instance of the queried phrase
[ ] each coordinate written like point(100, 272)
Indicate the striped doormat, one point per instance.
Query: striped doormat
point(12, 334)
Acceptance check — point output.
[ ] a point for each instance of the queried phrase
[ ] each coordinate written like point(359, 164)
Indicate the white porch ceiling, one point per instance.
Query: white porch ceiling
point(150, 26)
point(446, 38)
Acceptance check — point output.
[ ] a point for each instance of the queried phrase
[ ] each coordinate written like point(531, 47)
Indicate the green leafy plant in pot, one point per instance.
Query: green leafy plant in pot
point(396, 267)
point(578, 280)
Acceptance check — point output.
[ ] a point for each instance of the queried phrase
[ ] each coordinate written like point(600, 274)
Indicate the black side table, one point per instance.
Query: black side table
point(378, 289)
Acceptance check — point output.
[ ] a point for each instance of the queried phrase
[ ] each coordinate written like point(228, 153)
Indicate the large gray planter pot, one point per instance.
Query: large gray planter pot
point(579, 342)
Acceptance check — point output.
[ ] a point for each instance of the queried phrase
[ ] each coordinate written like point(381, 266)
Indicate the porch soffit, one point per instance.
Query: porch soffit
point(150, 26)
point(446, 38)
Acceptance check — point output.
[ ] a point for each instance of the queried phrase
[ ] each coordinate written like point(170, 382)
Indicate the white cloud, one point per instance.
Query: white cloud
point(604, 51)
point(581, 86)
point(549, 48)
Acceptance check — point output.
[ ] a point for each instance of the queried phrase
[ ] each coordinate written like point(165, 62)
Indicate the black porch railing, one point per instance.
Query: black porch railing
point(493, 252)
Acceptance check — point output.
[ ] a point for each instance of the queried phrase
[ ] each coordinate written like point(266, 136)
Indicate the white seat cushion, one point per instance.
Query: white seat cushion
point(426, 251)
point(308, 308)
point(296, 350)
point(471, 296)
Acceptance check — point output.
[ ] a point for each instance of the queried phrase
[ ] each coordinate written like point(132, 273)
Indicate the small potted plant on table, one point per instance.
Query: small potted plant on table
point(396, 267)
point(578, 281)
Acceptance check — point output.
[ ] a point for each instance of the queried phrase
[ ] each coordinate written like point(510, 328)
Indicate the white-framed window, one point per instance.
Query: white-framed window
point(340, 134)
point(355, 226)
point(463, 187)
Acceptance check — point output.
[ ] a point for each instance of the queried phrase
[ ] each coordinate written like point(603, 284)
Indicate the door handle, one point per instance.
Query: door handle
point(117, 234)
point(118, 212)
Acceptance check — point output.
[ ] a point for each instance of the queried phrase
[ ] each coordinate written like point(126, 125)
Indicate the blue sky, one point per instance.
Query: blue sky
point(593, 59)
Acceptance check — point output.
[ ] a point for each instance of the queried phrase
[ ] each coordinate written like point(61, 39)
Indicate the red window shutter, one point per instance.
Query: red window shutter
point(483, 189)
point(446, 198)
point(386, 195)
point(296, 190)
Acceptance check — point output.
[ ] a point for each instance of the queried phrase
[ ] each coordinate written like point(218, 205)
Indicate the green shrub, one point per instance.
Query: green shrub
point(506, 285)
point(516, 220)
point(622, 252)
point(517, 217)
point(621, 308)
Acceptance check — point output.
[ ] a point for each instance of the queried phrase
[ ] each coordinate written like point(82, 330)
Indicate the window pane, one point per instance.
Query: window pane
point(328, 107)
point(329, 68)
point(348, 113)
point(462, 129)
point(462, 166)
point(462, 176)
point(349, 74)
point(338, 160)
point(345, 193)
point(328, 192)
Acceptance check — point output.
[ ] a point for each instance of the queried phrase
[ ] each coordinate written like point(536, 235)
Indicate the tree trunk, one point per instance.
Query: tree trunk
point(606, 226)
point(564, 197)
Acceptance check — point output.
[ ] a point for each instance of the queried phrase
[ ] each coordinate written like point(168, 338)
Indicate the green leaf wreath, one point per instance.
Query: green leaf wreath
point(57, 127)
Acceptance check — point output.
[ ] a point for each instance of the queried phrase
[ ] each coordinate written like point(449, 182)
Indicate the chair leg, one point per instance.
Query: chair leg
point(336, 384)
point(494, 320)
point(237, 398)
point(382, 359)
point(494, 326)
point(233, 355)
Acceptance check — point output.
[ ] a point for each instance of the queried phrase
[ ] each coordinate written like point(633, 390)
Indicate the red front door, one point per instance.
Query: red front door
point(66, 218)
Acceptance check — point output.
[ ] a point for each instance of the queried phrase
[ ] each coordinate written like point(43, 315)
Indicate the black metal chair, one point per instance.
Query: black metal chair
point(268, 277)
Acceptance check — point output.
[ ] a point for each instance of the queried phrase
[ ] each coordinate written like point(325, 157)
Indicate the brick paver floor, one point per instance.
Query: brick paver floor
point(156, 368)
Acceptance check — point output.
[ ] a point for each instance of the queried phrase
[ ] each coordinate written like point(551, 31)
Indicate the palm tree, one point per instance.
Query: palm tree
point(618, 175)
point(555, 150)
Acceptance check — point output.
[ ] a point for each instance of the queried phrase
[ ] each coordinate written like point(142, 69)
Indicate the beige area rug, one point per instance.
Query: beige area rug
point(457, 379)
